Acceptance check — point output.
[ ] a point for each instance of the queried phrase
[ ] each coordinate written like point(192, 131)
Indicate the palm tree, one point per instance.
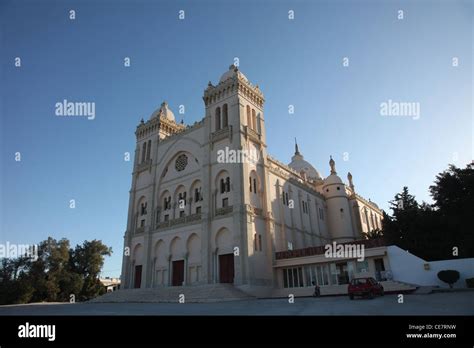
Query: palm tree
point(373, 234)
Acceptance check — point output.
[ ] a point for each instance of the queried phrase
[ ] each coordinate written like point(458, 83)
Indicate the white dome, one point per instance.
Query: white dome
point(164, 111)
point(233, 71)
point(333, 179)
point(300, 165)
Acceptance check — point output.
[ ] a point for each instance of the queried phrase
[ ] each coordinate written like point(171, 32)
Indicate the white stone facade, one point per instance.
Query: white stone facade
point(195, 219)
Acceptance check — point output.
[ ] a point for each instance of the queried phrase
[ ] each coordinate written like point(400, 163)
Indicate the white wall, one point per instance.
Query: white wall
point(409, 268)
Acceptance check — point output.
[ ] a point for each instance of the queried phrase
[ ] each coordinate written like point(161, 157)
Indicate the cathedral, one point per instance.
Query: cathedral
point(196, 217)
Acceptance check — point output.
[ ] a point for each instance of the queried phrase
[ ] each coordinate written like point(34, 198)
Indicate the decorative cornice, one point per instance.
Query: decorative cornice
point(151, 126)
point(185, 131)
point(236, 83)
point(320, 250)
point(369, 203)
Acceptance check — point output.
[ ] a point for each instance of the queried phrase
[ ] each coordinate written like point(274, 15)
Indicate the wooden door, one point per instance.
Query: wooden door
point(138, 277)
point(178, 273)
point(226, 268)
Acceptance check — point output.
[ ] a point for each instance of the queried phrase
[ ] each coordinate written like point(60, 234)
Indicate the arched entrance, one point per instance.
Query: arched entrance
point(226, 268)
point(225, 256)
point(137, 266)
point(177, 262)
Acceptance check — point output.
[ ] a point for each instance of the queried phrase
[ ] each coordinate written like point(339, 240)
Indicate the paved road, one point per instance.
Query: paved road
point(460, 303)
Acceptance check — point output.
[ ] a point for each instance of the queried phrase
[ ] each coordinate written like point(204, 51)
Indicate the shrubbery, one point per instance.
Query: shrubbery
point(449, 276)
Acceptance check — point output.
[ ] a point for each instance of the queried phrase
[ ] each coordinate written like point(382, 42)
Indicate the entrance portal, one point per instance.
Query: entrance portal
point(138, 277)
point(226, 268)
point(178, 273)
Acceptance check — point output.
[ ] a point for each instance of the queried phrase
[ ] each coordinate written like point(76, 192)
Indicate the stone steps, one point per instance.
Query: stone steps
point(198, 293)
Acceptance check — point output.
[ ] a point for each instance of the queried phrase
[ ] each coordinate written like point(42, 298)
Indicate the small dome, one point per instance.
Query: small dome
point(233, 71)
point(300, 165)
point(333, 179)
point(164, 111)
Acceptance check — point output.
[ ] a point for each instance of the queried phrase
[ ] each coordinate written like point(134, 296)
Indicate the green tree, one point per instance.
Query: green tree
point(373, 234)
point(433, 232)
point(403, 202)
point(58, 272)
point(88, 260)
point(453, 195)
point(49, 270)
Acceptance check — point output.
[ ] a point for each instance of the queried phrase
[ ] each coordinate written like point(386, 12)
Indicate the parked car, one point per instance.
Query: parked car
point(364, 287)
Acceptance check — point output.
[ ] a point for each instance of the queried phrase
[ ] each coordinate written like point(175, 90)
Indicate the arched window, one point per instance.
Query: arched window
point(197, 194)
point(227, 184)
point(225, 118)
point(144, 152)
point(141, 212)
point(167, 203)
point(218, 118)
point(249, 119)
point(253, 182)
point(222, 186)
point(254, 120)
point(148, 150)
point(143, 208)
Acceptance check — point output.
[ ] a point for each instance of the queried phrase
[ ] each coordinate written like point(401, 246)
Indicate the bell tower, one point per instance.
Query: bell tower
point(234, 102)
point(235, 123)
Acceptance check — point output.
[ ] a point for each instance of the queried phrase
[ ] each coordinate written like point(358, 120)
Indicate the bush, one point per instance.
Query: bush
point(449, 276)
point(470, 282)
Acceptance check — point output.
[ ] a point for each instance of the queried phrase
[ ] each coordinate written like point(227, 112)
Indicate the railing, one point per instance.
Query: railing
point(180, 221)
point(164, 224)
point(221, 134)
point(144, 165)
point(224, 211)
point(140, 230)
point(253, 133)
point(194, 217)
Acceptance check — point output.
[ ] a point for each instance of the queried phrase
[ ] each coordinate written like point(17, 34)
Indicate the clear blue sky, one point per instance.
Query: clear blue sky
point(295, 62)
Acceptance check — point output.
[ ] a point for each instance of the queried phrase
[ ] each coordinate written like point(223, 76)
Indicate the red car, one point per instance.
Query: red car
point(364, 287)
